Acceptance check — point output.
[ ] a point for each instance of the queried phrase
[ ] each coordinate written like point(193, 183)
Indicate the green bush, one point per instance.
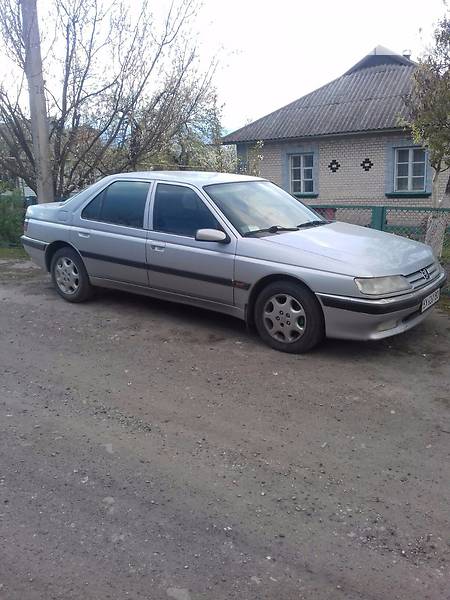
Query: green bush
point(11, 219)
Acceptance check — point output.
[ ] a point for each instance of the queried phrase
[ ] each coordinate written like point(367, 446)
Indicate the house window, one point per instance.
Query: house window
point(410, 170)
point(302, 181)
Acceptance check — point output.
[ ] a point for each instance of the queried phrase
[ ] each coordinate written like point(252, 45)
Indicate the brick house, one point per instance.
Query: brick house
point(343, 143)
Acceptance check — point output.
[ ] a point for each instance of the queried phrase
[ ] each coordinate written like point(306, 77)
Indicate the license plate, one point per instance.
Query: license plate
point(430, 300)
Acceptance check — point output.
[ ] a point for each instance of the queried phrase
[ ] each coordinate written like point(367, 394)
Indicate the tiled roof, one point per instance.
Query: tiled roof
point(368, 97)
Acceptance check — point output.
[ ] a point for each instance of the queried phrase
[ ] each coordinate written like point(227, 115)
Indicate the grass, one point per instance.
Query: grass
point(445, 258)
point(444, 303)
point(12, 254)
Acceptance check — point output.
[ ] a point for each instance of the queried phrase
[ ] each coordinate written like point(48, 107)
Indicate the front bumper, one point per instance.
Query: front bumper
point(364, 319)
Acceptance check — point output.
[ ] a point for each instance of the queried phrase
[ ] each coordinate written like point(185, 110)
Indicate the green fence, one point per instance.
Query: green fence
point(408, 221)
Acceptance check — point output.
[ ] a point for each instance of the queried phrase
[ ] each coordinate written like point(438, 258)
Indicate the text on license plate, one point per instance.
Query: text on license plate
point(430, 300)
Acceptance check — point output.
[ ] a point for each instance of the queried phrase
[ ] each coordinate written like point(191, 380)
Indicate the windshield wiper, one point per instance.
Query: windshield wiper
point(272, 229)
point(312, 224)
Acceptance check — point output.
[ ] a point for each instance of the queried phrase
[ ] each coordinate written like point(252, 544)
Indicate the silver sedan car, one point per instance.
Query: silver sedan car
point(238, 245)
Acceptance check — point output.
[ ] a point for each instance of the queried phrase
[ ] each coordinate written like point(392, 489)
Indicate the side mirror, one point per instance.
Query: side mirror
point(212, 235)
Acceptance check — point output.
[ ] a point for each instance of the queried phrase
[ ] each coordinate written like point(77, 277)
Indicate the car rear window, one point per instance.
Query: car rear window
point(121, 203)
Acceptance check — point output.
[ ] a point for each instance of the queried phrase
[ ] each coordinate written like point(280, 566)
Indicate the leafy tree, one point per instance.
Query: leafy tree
point(429, 119)
point(201, 146)
point(11, 219)
point(429, 103)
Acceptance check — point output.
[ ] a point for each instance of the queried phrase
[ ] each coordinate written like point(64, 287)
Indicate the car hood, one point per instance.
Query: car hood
point(369, 252)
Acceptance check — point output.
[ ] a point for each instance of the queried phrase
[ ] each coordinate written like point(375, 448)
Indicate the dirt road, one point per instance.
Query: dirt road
point(153, 451)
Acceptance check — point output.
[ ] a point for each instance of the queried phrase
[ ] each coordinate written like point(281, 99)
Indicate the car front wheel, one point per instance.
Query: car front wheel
point(288, 317)
point(69, 275)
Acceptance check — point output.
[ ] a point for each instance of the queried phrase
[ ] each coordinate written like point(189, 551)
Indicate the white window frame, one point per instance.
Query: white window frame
point(410, 176)
point(302, 173)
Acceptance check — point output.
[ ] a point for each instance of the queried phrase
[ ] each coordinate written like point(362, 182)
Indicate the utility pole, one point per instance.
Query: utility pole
point(38, 107)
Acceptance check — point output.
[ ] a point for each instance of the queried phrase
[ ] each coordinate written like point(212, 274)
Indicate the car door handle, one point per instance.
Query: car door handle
point(157, 246)
point(83, 234)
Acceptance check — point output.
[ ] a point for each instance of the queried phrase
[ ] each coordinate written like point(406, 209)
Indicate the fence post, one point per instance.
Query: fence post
point(378, 217)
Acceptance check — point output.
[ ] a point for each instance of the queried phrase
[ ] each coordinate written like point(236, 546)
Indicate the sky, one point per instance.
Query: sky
point(272, 52)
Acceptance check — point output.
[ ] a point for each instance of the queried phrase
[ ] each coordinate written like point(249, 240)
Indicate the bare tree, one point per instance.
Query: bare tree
point(119, 88)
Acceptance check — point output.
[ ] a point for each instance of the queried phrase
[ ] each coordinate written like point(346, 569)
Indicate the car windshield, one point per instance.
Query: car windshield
point(253, 206)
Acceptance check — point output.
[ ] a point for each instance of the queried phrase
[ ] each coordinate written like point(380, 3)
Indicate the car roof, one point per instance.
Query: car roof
point(197, 178)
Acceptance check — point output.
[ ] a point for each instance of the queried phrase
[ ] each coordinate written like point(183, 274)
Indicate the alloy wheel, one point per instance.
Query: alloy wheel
point(284, 318)
point(66, 275)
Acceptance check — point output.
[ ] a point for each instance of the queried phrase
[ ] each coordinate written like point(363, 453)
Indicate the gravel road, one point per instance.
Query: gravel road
point(153, 451)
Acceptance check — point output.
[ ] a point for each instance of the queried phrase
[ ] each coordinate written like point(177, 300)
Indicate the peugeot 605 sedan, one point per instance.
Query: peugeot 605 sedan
point(237, 245)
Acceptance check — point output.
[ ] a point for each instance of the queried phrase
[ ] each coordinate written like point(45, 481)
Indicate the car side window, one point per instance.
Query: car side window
point(121, 203)
point(92, 210)
point(179, 210)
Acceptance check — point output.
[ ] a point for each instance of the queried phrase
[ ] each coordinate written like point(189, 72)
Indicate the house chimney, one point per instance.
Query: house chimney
point(407, 54)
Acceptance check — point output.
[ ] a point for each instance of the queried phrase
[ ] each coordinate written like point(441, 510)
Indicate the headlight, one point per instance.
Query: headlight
point(382, 285)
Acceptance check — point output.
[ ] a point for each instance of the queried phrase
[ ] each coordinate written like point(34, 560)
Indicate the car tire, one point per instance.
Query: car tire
point(69, 275)
point(288, 317)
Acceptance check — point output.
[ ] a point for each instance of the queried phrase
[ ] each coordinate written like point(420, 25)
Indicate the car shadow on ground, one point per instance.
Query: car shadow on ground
point(225, 327)
point(179, 314)
point(430, 337)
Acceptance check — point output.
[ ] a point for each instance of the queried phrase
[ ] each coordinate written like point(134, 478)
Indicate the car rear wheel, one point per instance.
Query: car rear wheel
point(288, 317)
point(69, 275)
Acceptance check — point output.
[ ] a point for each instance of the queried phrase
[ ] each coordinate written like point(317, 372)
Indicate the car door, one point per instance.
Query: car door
point(177, 262)
point(109, 232)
